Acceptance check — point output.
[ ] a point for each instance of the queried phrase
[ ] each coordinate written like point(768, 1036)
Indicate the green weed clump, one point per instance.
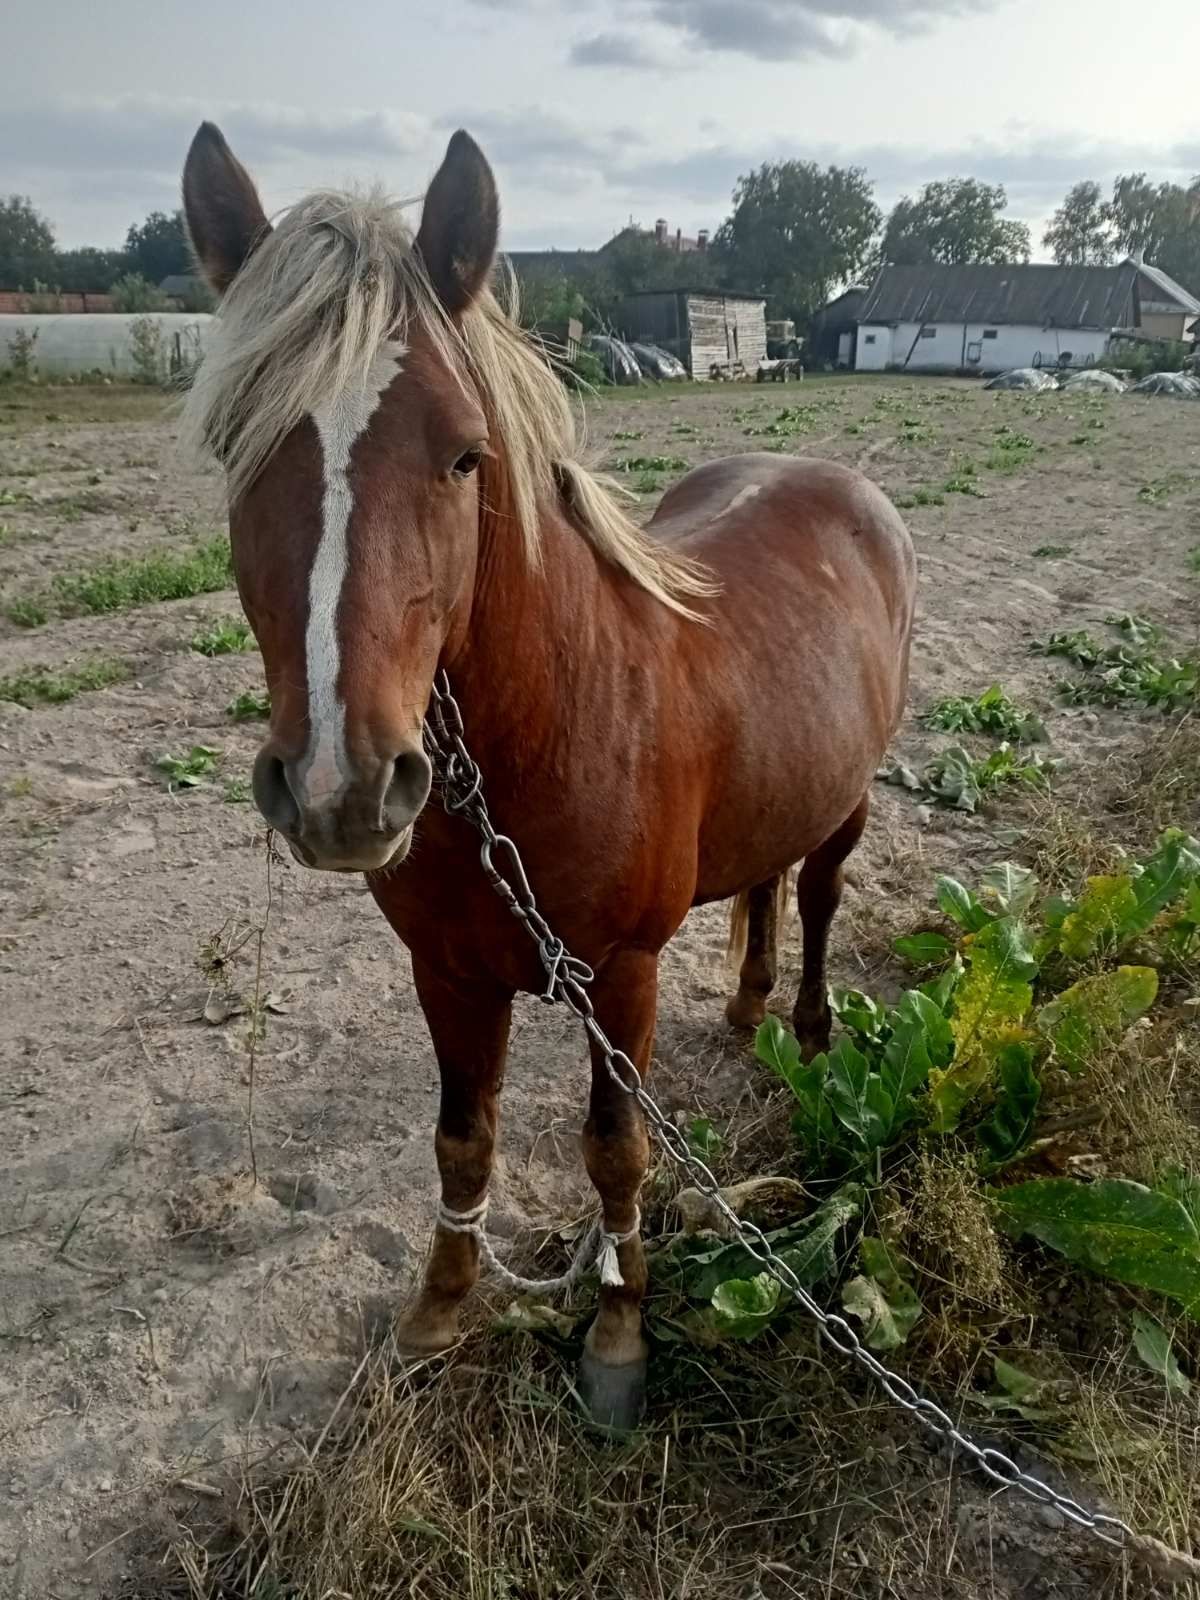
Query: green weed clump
point(125, 582)
point(54, 686)
point(224, 637)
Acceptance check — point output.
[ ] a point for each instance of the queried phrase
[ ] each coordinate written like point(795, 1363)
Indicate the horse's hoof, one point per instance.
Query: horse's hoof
point(615, 1397)
point(746, 1010)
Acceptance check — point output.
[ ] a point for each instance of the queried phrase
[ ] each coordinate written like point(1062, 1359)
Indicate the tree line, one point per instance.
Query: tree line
point(796, 232)
point(799, 231)
point(31, 260)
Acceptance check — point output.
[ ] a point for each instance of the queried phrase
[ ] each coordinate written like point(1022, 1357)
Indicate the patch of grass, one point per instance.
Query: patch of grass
point(921, 497)
point(1160, 490)
point(191, 770)
point(915, 432)
point(26, 612)
point(236, 791)
point(648, 484)
point(627, 435)
point(1193, 558)
point(792, 420)
point(226, 636)
point(125, 582)
point(250, 706)
point(15, 497)
point(650, 464)
point(54, 686)
point(1051, 552)
point(963, 481)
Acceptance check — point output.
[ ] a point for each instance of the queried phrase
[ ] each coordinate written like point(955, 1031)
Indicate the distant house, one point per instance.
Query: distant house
point(934, 318)
point(706, 328)
point(184, 288)
point(532, 264)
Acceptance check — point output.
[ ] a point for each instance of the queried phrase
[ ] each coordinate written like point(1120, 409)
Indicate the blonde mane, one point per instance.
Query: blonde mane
point(306, 316)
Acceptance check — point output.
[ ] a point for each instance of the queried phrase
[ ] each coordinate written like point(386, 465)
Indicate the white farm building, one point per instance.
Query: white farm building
point(934, 318)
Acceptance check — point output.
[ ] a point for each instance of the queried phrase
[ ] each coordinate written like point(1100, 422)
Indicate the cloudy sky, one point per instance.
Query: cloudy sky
point(593, 111)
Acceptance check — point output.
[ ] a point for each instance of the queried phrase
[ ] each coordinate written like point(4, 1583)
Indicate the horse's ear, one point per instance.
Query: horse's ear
point(460, 224)
point(224, 214)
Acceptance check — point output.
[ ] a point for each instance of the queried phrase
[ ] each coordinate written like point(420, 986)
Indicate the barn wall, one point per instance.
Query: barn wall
point(949, 349)
point(874, 348)
point(1167, 324)
point(721, 330)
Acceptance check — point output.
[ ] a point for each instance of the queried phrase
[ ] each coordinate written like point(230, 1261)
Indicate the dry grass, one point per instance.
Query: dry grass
point(1159, 785)
point(766, 1474)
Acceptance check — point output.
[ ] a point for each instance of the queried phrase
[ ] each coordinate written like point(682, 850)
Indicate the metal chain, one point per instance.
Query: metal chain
point(567, 977)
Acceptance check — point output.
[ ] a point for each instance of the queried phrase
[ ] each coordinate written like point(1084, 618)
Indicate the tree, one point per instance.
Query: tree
point(1162, 221)
point(158, 247)
point(88, 270)
point(796, 231)
point(26, 244)
point(953, 221)
point(1079, 233)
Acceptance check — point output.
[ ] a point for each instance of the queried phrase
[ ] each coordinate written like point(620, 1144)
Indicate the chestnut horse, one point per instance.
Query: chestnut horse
point(662, 717)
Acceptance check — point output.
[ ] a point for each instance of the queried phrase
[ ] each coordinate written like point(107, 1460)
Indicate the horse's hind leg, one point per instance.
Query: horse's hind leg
point(757, 914)
point(819, 892)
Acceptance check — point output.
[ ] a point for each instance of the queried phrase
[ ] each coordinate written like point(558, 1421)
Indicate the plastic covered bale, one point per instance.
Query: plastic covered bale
point(1175, 385)
point(1023, 378)
point(1095, 381)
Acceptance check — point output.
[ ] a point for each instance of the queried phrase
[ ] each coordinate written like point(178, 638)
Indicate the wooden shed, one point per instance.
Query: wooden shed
point(714, 332)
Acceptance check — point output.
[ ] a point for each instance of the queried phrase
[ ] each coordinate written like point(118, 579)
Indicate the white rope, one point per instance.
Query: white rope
point(598, 1247)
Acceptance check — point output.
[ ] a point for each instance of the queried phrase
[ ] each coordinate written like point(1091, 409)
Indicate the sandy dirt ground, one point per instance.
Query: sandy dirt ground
point(160, 1316)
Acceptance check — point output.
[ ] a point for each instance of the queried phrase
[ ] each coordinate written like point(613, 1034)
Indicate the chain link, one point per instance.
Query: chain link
point(567, 977)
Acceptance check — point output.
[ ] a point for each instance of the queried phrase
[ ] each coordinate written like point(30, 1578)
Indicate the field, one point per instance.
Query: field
point(171, 1329)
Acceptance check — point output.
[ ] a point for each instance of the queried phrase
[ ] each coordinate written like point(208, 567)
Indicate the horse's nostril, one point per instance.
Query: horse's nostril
point(407, 790)
point(273, 795)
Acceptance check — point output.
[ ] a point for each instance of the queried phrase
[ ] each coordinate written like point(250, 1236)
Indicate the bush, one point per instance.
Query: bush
point(133, 293)
point(1140, 359)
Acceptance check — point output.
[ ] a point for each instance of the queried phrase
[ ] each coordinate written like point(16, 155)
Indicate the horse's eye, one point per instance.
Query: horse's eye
point(467, 462)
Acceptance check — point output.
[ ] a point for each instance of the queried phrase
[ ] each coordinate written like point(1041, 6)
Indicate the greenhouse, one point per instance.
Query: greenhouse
point(151, 347)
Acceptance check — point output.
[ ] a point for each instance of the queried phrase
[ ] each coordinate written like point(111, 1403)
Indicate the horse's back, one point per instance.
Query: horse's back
point(737, 511)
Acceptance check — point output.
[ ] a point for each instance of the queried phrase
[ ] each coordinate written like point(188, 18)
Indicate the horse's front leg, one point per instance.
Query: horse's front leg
point(617, 1152)
point(469, 1024)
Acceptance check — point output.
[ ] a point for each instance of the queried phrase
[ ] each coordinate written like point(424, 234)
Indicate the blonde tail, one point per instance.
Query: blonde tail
point(739, 918)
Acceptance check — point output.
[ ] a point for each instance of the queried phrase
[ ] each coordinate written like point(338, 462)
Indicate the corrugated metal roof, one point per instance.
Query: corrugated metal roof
point(1045, 296)
point(1170, 289)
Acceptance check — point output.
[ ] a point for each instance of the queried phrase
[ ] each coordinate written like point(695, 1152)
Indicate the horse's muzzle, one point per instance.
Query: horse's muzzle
point(360, 823)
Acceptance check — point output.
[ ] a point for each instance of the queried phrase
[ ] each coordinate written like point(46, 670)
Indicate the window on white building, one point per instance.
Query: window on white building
point(991, 333)
point(868, 338)
point(929, 333)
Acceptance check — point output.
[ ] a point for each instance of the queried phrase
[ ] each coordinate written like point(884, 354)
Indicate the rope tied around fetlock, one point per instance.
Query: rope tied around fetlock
point(598, 1248)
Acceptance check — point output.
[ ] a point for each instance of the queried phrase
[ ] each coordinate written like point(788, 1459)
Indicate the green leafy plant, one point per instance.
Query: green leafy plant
point(226, 636)
point(236, 791)
point(882, 1296)
point(1051, 552)
point(249, 706)
point(1128, 671)
point(992, 712)
point(963, 480)
point(1005, 1000)
point(27, 612)
point(723, 1291)
point(961, 780)
point(1154, 1347)
point(1116, 1228)
point(191, 770)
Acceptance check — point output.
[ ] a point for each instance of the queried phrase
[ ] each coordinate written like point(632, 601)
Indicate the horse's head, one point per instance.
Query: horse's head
point(337, 392)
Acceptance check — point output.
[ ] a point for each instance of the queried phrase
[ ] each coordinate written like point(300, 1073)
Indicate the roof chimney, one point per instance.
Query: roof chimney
point(679, 238)
point(660, 231)
point(702, 239)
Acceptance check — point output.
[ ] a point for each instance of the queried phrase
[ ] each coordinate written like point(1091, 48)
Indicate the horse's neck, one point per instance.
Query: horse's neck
point(541, 643)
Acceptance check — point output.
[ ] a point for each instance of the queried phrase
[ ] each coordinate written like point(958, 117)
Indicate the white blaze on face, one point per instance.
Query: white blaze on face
point(339, 423)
